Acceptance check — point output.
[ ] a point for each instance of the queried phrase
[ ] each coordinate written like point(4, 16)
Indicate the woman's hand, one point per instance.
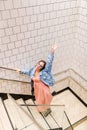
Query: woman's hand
point(53, 48)
point(17, 69)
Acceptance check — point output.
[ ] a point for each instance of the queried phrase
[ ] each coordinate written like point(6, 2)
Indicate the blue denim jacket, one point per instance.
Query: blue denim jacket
point(45, 75)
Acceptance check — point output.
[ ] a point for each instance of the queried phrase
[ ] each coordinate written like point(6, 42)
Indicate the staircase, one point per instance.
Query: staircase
point(19, 112)
point(16, 117)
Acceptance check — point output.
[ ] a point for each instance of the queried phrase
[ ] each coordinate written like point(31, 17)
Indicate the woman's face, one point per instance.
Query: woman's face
point(40, 65)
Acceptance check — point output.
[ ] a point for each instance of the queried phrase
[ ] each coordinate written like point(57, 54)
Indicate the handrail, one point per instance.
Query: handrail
point(68, 120)
point(41, 105)
point(7, 68)
point(55, 73)
point(29, 82)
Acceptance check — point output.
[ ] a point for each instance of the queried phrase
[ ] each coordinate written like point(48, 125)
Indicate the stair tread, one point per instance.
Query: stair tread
point(18, 117)
point(4, 120)
point(37, 115)
point(39, 118)
point(21, 101)
point(81, 126)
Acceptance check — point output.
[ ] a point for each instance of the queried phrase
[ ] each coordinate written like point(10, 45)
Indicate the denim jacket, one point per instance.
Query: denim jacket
point(45, 75)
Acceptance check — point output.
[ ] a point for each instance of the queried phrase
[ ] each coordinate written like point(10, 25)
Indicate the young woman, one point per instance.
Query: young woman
point(42, 79)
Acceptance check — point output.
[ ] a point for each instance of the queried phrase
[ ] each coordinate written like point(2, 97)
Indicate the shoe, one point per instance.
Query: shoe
point(42, 113)
point(47, 112)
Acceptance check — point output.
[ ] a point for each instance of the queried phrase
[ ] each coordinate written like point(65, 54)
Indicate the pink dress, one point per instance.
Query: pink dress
point(42, 94)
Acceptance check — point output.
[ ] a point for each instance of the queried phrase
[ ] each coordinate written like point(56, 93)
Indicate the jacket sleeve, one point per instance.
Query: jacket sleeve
point(27, 72)
point(50, 58)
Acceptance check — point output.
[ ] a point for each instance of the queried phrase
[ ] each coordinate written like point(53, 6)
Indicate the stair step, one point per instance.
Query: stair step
point(18, 117)
point(4, 120)
point(59, 116)
point(49, 121)
point(21, 101)
point(30, 123)
point(37, 116)
point(73, 107)
point(81, 125)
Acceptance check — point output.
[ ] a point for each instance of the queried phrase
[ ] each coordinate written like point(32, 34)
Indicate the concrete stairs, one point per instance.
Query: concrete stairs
point(48, 122)
point(4, 120)
point(16, 117)
point(19, 118)
point(18, 113)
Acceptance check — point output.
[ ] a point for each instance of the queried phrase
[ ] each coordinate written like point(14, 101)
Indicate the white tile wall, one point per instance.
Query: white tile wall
point(80, 45)
point(8, 31)
point(8, 4)
point(2, 5)
point(28, 28)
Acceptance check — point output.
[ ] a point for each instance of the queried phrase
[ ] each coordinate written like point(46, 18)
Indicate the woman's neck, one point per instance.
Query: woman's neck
point(37, 73)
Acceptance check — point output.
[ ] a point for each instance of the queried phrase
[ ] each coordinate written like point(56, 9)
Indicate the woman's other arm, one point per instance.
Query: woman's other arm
point(27, 72)
point(50, 58)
